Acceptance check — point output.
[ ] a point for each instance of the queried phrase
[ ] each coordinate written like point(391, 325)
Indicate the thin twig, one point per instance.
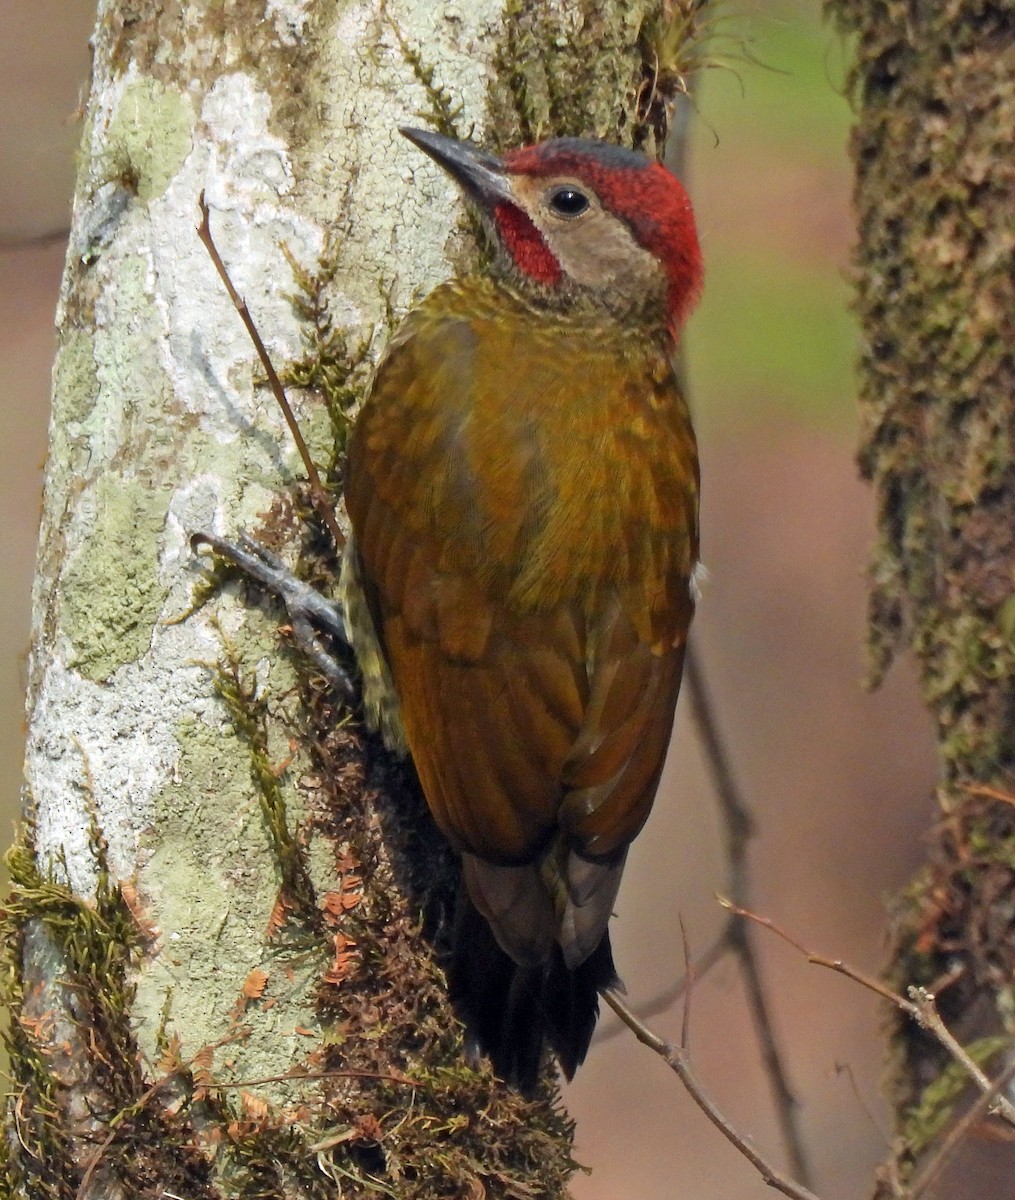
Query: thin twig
point(313, 1077)
point(832, 964)
point(921, 1006)
point(984, 1103)
point(739, 827)
point(786, 1105)
point(843, 1068)
point(34, 241)
point(664, 1000)
point(991, 793)
point(100, 1151)
point(685, 1020)
point(925, 1013)
point(679, 1060)
point(736, 815)
point(318, 492)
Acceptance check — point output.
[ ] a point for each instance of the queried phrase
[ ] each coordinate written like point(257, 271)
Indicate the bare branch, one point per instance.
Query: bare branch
point(663, 1001)
point(920, 1006)
point(985, 1102)
point(843, 1068)
point(679, 1060)
point(33, 241)
point(319, 494)
point(739, 827)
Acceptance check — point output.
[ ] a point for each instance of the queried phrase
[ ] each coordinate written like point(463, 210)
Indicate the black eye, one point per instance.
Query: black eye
point(569, 202)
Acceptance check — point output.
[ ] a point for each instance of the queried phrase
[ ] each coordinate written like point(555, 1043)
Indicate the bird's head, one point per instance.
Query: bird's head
point(586, 221)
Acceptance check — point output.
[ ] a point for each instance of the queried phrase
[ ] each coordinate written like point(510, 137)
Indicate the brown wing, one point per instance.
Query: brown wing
point(524, 509)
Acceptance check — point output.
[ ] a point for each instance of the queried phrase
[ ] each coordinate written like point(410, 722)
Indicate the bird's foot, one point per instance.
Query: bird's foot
point(308, 610)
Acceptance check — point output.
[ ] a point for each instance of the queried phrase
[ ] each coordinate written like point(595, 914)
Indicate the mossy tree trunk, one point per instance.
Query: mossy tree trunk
point(935, 193)
point(220, 880)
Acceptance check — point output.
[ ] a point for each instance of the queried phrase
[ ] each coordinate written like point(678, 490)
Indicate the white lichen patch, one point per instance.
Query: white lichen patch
point(289, 18)
point(101, 752)
point(244, 171)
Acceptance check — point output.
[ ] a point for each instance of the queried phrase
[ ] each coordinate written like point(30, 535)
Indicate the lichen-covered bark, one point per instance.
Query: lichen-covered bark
point(220, 881)
point(935, 195)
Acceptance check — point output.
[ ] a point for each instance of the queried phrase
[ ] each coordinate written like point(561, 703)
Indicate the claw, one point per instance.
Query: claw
point(306, 606)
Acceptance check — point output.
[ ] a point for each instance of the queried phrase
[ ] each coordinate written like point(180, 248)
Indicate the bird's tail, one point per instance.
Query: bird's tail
point(511, 1010)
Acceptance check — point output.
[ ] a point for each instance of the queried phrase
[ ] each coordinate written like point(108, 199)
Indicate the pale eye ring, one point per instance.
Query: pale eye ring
point(568, 201)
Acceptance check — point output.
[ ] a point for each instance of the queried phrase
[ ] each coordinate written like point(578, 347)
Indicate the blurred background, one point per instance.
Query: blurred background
point(839, 780)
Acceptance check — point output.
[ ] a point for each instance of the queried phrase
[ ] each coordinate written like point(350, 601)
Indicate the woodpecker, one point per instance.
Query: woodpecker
point(522, 487)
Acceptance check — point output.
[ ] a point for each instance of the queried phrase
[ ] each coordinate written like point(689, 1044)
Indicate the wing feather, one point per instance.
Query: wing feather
point(529, 540)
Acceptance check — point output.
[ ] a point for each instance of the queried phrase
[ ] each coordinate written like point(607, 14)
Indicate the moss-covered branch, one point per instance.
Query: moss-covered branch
point(935, 97)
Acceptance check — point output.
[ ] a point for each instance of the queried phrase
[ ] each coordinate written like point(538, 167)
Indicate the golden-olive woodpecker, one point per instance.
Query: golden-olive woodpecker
point(523, 493)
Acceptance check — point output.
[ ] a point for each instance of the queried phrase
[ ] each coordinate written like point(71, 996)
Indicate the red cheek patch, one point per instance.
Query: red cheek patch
point(525, 244)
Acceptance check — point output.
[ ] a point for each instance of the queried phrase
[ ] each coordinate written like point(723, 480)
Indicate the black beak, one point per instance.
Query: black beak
point(482, 174)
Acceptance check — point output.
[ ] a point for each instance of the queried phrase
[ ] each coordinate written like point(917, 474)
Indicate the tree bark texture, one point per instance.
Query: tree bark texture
point(935, 194)
point(221, 879)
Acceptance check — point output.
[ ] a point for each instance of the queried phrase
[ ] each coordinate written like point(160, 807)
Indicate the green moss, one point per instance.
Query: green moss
point(444, 112)
point(461, 1131)
point(247, 711)
point(542, 85)
point(65, 965)
point(329, 367)
point(929, 1117)
point(936, 300)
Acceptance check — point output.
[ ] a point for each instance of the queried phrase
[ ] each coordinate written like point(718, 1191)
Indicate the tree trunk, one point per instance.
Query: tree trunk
point(220, 879)
point(936, 298)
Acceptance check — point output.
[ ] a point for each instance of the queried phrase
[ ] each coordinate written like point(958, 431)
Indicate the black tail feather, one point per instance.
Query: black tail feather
point(570, 1003)
point(511, 1010)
